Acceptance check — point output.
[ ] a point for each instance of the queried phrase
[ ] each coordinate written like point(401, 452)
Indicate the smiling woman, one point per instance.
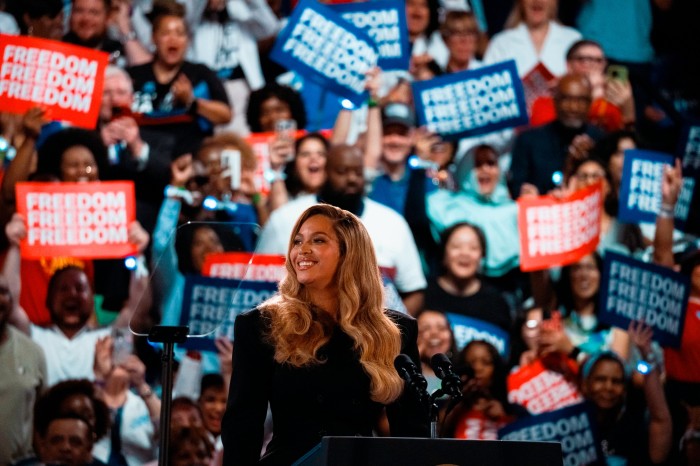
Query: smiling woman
point(459, 288)
point(325, 332)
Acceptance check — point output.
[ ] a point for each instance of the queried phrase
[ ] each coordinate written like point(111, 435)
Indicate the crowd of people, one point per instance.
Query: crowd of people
point(343, 191)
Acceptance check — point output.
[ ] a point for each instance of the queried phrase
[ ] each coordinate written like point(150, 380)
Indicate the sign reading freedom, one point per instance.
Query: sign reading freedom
point(319, 44)
point(245, 266)
point(634, 290)
point(640, 189)
point(210, 306)
point(559, 232)
point(466, 329)
point(64, 79)
point(573, 427)
point(385, 22)
point(86, 220)
point(472, 102)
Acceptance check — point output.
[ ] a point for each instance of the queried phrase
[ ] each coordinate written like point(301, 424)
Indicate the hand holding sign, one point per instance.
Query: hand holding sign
point(671, 184)
point(138, 236)
point(16, 229)
point(32, 122)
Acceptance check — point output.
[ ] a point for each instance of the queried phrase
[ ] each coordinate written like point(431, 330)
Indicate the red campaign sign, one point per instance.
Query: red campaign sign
point(540, 389)
point(64, 79)
point(537, 83)
point(556, 232)
point(260, 143)
point(86, 220)
point(245, 266)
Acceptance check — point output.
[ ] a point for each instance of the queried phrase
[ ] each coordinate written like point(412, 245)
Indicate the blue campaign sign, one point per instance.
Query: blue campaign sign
point(640, 189)
point(573, 427)
point(466, 329)
point(210, 306)
point(635, 290)
point(472, 102)
point(385, 22)
point(319, 44)
point(688, 205)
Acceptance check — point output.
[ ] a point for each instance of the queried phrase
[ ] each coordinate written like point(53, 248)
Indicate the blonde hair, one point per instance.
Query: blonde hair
point(517, 14)
point(298, 330)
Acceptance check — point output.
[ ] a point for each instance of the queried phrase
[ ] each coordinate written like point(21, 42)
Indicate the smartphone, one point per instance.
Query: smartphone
point(286, 130)
point(123, 341)
point(617, 72)
point(231, 164)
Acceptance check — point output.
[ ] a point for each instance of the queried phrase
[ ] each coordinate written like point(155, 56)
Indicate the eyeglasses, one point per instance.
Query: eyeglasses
point(589, 59)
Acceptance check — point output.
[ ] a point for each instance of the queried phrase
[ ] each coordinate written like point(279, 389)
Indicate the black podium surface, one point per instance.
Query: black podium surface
point(389, 451)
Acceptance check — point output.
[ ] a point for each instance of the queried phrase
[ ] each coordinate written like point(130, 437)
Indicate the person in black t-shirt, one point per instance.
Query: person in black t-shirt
point(182, 98)
point(88, 28)
point(458, 289)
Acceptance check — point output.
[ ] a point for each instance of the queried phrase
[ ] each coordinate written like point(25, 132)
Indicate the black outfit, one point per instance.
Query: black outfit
point(487, 304)
point(307, 403)
point(626, 436)
point(114, 48)
point(539, 152)
point(155, 101)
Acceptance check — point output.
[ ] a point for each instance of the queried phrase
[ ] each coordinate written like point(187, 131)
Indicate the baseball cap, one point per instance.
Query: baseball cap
point(398, 114)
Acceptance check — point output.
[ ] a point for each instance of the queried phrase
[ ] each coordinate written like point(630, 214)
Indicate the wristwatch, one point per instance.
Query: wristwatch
point(131, 35)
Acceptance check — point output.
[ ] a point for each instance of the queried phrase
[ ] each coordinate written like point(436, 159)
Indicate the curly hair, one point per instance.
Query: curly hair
point(218, 141)
point(298, 330)
point(284, 93)
point(51, 405)
point(50, 153)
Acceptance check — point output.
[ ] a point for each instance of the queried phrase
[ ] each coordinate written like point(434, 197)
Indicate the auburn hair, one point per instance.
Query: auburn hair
point(298, 330)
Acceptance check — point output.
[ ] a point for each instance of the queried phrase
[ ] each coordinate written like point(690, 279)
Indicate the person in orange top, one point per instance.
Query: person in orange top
point(613, 104)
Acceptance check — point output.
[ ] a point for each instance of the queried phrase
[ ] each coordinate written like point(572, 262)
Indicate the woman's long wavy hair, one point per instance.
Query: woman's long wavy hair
point(298, 330)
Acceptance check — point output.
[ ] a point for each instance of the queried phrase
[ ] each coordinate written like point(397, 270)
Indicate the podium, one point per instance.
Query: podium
point(390, 451)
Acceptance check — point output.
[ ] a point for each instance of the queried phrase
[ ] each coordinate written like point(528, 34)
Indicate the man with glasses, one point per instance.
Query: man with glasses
point(540, 154)
point(460, 32)
point(612, 108)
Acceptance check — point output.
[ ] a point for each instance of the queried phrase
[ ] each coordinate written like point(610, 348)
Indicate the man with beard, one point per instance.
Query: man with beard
point(540, 154)
point(69, 344)
point(22, 377)
point(88, 28)
point(390, 233)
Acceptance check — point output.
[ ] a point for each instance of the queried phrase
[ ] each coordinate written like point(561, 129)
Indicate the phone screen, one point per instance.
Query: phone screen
point(617, 72)
point(231, 162)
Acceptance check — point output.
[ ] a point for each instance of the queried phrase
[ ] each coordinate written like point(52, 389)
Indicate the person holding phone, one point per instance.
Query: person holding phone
point(612, 107)
point(135, 413)
point(229, 163)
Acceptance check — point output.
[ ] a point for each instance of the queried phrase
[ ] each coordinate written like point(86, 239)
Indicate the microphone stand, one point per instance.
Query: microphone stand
point(168, 335)
point(433, 412)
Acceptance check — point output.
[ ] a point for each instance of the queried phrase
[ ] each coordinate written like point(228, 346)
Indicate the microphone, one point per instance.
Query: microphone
point(451, 383)
point(414, 379)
